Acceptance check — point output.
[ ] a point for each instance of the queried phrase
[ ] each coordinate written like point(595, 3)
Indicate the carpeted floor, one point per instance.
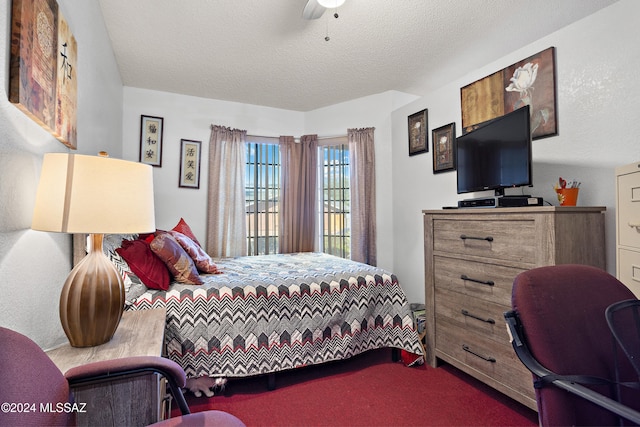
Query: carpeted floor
point(368, 390)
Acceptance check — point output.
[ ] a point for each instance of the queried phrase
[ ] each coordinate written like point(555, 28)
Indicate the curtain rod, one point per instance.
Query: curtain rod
point(319, 138)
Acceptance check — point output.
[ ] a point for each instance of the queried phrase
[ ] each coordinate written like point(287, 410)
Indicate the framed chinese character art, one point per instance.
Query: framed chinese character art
point(151, 140)
point(189, 163)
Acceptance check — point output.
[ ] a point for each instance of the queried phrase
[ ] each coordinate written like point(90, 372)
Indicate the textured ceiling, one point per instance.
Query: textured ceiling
point(263, 52)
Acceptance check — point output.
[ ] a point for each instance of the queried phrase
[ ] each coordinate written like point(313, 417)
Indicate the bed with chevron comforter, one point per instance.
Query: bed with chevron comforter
point(270, 313)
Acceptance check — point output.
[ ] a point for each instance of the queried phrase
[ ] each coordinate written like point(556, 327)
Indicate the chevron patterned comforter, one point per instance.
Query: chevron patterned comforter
point(275, 312)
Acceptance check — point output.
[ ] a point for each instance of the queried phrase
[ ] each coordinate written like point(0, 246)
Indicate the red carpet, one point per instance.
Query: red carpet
point(368, 390)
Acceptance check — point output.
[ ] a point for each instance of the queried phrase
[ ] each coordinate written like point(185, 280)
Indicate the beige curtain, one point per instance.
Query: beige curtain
point(226, 216)
point(298, 193)
point(363, 195)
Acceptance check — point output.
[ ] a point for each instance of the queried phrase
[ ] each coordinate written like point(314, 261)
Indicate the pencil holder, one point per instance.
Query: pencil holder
point(567, 196)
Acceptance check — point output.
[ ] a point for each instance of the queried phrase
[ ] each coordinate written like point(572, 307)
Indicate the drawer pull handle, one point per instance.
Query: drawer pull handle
point(634, 224)
point(482, 282)
point(487, 358)
point(488, 320)
point(465, 237)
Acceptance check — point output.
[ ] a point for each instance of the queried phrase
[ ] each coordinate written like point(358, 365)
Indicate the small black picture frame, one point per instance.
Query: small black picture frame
point(151, 129)
point(418, 132)
point(189, 163)
point(444, 148)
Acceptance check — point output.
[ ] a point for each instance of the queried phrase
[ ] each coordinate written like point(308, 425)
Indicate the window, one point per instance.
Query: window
point(262, 194)
point(334, 207)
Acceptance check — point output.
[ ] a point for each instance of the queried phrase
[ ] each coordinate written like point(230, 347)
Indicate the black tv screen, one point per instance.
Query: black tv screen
point(497, 155)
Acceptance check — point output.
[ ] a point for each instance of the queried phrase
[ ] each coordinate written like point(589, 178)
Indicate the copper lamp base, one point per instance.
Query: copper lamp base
point(92, 299)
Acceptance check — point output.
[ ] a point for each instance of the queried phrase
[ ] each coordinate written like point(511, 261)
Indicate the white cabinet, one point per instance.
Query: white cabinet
point(628, 226)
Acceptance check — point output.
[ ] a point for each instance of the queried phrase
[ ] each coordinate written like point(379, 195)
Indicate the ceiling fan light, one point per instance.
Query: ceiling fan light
point(331, 4)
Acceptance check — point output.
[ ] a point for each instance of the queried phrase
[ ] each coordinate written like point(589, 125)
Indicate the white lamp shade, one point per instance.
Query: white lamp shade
point(331, 4)
point(93, 194)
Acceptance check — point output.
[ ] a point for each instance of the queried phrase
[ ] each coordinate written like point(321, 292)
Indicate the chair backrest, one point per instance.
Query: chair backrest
point(624, 321)
point(31, 384)
point(562, 310)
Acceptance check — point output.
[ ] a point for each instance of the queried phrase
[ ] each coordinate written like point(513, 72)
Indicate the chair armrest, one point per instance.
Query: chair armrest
point(108, 370)
point(564, 382)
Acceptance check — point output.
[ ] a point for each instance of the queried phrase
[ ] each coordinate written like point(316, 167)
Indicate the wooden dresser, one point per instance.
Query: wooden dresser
point(135, 401)
point(628, 226)
point(471, 259)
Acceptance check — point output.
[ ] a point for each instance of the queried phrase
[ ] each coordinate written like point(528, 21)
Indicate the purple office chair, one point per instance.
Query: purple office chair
point(30, 378)
point(560, 332)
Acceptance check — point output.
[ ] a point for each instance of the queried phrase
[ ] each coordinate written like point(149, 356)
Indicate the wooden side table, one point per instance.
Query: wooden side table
point(139, 400)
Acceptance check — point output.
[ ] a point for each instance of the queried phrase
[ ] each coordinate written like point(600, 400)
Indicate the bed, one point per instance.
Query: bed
point(265, 314)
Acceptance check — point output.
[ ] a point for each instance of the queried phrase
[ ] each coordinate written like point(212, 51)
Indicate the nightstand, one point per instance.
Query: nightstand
point(139, 400)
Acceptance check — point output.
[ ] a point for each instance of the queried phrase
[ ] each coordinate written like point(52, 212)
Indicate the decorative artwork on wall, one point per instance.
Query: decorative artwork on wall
point(531, 81)
point(482, 100)
point(444, 140)
point(42, 71)
point(190, 163)
point(418, 133)
point(66, 85)
point(151, 140)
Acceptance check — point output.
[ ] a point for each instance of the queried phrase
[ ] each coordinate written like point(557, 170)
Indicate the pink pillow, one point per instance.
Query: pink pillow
point(178, 262)
point(145, 264)
point(183, 227)
point(202, 260)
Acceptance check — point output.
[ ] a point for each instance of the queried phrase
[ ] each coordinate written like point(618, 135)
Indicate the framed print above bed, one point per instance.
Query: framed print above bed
point(190, 163)
point(151, 140)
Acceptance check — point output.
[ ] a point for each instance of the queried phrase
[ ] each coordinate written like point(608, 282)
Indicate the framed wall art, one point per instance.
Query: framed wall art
point(444, 140)
point(531, 81)
point(418, 132)
point(151, 129)
point(481, 101)
point(42, 68)
point(190, 163)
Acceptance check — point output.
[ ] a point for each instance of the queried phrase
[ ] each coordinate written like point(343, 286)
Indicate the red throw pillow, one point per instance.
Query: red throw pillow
point(201, 259)
point(178, 262)
point(183, 227)
point(145, 264)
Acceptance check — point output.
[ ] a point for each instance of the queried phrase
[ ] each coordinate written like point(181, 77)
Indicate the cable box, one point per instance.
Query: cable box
point(519, 201)
point(502, 202)
point(488, 202)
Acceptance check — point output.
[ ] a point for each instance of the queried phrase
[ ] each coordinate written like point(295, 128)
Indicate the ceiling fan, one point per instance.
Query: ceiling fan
point(315, 8)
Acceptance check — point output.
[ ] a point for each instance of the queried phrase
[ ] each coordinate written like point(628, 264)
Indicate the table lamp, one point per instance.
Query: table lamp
point(96, 195)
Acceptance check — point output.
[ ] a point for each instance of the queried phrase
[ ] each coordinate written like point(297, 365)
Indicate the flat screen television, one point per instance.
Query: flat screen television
point(496, 155)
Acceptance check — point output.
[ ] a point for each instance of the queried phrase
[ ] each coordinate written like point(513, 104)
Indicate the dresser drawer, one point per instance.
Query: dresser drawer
point(474, 315)
point(512, 240)
point(498, 362)
point(629, 210)
point(480, 280)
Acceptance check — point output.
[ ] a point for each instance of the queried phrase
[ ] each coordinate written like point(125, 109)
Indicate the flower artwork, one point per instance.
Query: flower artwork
point(532, 82)
point(522, 82)
point(528, 82)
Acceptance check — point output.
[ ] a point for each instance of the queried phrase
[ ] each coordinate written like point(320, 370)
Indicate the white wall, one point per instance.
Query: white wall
point(598, 109)
point(189, 117)
point(33, 264)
